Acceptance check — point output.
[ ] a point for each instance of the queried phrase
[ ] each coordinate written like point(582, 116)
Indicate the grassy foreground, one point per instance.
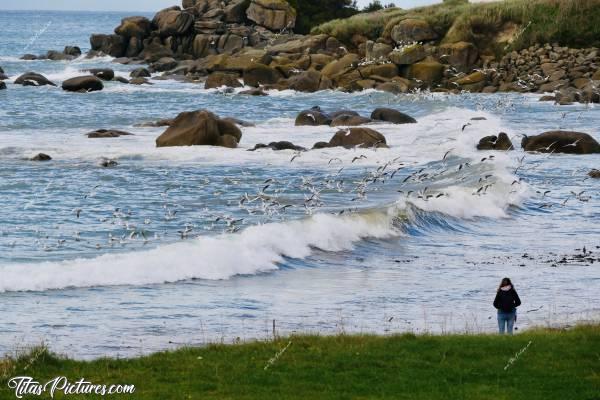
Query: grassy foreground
point(552, 364)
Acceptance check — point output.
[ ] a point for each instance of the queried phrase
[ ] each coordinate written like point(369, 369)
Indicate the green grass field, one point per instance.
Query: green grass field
point(552, 364)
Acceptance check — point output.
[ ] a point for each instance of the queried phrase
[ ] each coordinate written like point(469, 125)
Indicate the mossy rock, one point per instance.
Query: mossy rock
point(408, 55)
point(429, 72)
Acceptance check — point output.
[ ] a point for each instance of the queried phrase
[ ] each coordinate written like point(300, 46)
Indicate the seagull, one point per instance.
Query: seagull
point(465, 125)
point(358, 158)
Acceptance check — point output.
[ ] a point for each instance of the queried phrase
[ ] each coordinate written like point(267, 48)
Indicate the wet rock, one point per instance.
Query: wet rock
point(283, 145)
point(139, 81)
point(107, 133)
point(87, 83)
point(28, 57)
point(140, 73)
point(260, 74)
point(33, 79)
point(321, 145)
point(561, 142)
point(200, 128)
point(164, 64)
point(106, 74)
point(74, 51)
point(254, 92)
point(220, 79)
point(547, 98)
point(391, 115)
point(313, 117)
point(41, 157)
point(159, 123)
point(493, 142)
point(57, 56)
point(309, 81)
point(120, 79)
point(2, 85)
point(357, 137)
point(594, 173)
point(350, 120)
point(113, 45)
point(107, 162)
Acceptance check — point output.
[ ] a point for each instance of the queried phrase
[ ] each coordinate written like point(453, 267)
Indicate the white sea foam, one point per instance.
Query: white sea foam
point(256, 249)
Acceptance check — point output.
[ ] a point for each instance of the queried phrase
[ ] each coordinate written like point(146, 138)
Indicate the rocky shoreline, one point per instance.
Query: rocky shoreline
point(236, 43)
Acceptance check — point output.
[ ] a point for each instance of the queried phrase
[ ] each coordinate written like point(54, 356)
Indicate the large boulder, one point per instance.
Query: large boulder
point(309, 81)
point(113, 45)
point(140, 72)
point(561, 142)
point(88, 83)
point(272, 14)
point(74, 51)
point(428, 72)
point(173, 22)
point(461, 55)
point(361, 137)
point(57, 56)
point(2, 85)
point(341, 66)
point(493, 142)
point(314, 116)
point(139, 27)
point(219, 79)
point(106, 74)
point(408, 54)
point(412, 30)
point(33, 79)
point(200, 128)
point(391, 115)
point(260, 74)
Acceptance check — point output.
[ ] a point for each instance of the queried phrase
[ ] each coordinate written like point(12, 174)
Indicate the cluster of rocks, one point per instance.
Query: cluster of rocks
point(548, 142)
point(197, 29)
point(572, 75)
point(68, 54)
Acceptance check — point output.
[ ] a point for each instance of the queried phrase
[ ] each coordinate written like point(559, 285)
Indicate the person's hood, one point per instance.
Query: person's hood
point(506, 288)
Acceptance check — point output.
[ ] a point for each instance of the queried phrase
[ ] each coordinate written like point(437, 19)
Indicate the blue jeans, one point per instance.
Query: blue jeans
point(506, 321)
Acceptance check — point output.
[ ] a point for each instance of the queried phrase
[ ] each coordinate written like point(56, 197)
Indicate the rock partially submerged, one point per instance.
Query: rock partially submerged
point(313, 117)
point(391, 115)
point(41, 157)
point(83, 84)
point(107, 133)
point(200, 128)
point(106, 74)
point(358, 137)
point(561, 142)
point(33, 79)
point(594, 173)
point(493, 142)
point(282, 145)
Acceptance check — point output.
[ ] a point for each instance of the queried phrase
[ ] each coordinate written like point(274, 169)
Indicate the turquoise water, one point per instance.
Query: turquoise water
point(145, 256)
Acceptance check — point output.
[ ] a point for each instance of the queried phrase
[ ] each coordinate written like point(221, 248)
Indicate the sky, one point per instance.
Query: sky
point(139, 5)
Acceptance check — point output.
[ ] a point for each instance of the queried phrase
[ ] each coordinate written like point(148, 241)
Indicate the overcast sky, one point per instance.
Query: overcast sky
point(138, 5)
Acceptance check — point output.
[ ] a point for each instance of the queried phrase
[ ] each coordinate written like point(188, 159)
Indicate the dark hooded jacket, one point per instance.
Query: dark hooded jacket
point(507, 300)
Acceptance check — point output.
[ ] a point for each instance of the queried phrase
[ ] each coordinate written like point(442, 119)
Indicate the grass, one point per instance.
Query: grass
point(574, 23)
point(552, 364)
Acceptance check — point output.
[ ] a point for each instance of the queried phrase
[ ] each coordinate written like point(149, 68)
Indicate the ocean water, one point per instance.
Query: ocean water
point(184, 246)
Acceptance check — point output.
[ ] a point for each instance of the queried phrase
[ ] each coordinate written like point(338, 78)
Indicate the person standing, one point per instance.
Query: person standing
point(506, 302)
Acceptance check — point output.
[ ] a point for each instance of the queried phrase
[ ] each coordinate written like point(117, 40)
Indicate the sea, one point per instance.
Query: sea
point(185, 246)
